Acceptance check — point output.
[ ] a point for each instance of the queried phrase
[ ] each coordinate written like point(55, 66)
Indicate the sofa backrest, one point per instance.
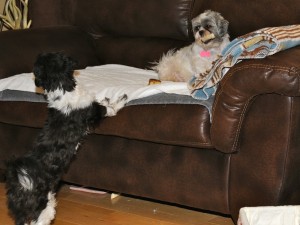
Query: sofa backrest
point(245, 16)
point(137, 32)
point(130, 18)
point(134, 18)
point(161, 18)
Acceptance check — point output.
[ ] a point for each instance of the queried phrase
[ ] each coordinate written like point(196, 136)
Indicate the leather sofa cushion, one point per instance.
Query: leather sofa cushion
point(189, 126)
point(131, 18)
point(248, 16)
point(136, 18)
point(24, 45)
point(160, 18)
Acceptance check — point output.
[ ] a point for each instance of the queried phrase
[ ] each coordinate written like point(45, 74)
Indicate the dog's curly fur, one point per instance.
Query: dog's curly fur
point(32, 180)
point(211, 36)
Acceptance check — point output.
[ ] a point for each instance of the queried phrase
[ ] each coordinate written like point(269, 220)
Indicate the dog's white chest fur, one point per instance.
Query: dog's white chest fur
point(80, 98)
point(67, 101)
point(201, 60)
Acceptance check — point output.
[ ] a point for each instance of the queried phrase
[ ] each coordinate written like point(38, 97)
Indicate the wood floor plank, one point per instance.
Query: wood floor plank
point(77, 208)
point(81, 213)
point(221, 221)
point(141, 207)
point(62, 222)
point(2, 190)
point(5, 219)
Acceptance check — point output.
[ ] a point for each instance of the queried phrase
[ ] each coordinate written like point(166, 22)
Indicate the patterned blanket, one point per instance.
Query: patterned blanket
point(254, 45)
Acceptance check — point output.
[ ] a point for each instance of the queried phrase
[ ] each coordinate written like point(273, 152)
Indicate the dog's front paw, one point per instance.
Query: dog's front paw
point(112, 108)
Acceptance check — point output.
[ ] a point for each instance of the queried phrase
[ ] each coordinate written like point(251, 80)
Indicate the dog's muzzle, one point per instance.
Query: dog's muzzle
point(37, 82)
point(206, 36)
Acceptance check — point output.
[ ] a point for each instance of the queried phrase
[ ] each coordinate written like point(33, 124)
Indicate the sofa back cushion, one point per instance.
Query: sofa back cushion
point(160, 18)
point(134, 18)
point(131, 18)
point(21, 47)
point(138, 32)
point(135, 32)
point(249, 15)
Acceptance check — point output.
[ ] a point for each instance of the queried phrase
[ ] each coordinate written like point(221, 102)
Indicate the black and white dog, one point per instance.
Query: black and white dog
point(32, 180)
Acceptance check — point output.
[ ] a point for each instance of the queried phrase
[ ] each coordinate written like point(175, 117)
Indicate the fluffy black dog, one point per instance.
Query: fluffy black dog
point(32, 180)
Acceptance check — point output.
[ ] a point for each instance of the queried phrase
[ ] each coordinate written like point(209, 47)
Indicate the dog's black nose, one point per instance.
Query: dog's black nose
point(201, 32)
point(37, 82)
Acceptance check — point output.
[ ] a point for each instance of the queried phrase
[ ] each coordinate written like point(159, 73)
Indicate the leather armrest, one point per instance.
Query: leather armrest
point(278, 74)
point(19, 48)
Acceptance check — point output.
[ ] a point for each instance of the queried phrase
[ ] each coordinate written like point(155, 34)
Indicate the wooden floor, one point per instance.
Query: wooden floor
point(79, 208)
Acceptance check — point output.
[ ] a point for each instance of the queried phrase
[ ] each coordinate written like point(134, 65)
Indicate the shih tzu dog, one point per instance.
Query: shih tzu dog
point(32, 180)
point(210, 33)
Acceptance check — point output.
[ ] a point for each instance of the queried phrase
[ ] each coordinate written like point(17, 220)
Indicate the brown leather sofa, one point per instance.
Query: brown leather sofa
point(248, 156)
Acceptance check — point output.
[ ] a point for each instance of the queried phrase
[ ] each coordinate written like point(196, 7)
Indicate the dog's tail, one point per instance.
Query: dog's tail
point(23, 189)
point(158, 65)
point(21, 173)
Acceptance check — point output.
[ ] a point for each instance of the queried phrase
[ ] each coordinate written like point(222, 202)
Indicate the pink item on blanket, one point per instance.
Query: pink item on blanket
point(205, 54)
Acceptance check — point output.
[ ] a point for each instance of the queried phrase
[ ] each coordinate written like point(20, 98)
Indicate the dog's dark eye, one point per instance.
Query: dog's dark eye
point(207, 27)
point(197, 28)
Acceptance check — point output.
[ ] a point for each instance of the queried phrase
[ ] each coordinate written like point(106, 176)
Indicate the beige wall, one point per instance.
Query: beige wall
point(1, 5)
point(1, 8)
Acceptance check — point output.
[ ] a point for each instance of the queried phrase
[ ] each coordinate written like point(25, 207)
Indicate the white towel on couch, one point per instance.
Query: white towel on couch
point(109, 81)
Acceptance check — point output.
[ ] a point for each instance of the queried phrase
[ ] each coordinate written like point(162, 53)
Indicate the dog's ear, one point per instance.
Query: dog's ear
point(68, 82)
point(39, 70)
point(223, 27)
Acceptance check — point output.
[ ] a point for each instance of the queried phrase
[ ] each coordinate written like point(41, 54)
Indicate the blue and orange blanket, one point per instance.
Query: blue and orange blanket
point(254, 45)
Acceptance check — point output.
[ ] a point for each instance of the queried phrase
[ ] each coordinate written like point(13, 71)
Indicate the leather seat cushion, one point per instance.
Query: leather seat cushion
point(176, 124)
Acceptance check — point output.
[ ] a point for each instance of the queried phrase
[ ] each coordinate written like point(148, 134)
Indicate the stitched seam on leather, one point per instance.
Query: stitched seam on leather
point(255, 66)
point(236, 138)
point(224, 81)
point(296, 71)
point(258, 66)
point(228, 182)
point(286, 153)
point(157, 140)
point(176, 142)
point(191, 7)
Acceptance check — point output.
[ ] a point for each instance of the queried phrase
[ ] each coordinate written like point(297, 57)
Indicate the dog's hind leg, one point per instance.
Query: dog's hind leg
point(21, 222)
point(48, 214)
